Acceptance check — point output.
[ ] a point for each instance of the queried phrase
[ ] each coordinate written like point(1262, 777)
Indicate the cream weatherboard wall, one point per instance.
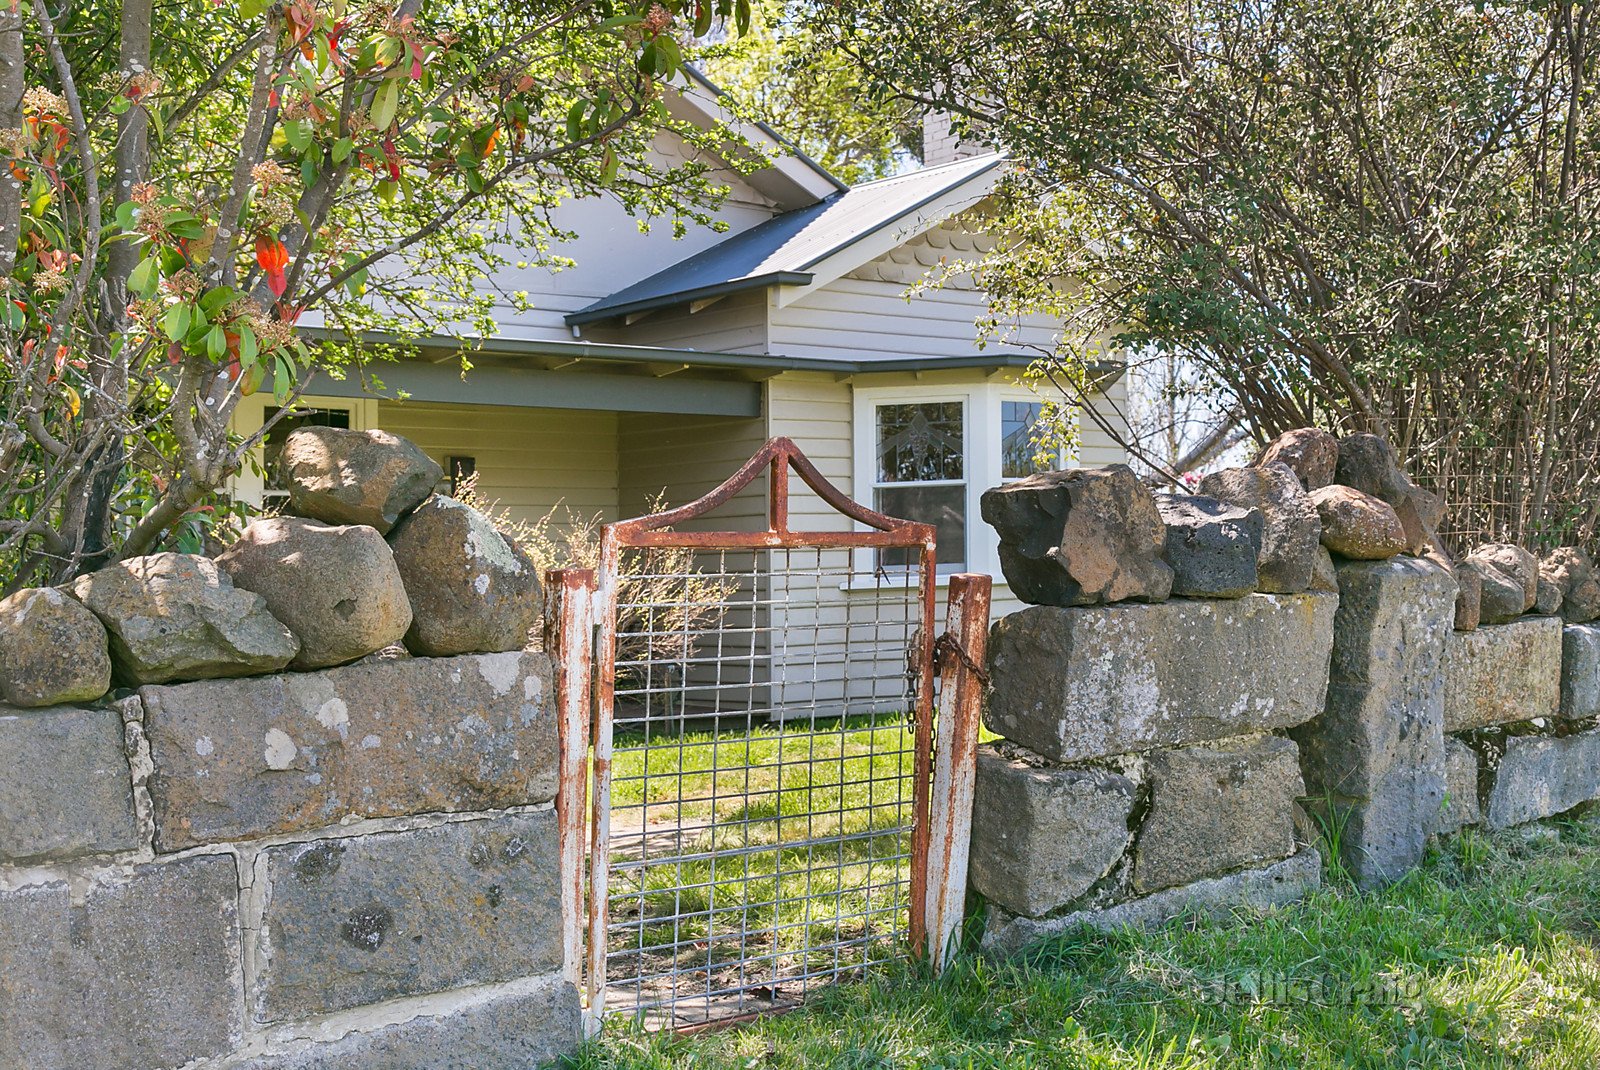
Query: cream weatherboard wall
point(530, 460)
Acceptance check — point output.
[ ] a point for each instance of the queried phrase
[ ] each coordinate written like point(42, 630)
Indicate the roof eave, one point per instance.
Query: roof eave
point(1101, 372)
point(790, 177)
point(911, 209)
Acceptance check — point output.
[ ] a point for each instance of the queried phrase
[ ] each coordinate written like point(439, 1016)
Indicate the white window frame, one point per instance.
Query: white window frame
point(981, 459)
point(248, 485)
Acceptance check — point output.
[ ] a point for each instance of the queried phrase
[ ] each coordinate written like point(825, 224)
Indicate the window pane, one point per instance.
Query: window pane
point(919, 442)
point(1018, 452)
point(943, 507)
point(287, 426)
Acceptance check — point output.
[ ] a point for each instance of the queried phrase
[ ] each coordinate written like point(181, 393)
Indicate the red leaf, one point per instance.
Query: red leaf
point(271, 253)
point(273, 258)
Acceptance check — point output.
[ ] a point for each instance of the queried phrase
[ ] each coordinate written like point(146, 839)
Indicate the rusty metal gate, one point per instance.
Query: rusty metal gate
point(767, 754)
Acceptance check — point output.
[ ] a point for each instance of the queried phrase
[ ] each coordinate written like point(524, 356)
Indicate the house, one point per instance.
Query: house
point(658, 365)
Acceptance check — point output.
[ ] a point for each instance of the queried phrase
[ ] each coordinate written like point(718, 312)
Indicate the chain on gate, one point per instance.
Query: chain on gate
point(769, 810)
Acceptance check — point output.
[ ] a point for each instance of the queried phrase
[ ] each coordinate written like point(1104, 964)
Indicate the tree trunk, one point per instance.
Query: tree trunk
point(11, 86)
point(111, 366)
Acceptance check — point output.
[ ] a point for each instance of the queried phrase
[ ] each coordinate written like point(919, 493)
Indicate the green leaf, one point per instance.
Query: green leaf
point(143, 279)
point(575, 120)
point(175, 324)
point(250, 380)
point(342, 149)
point(284, 377)
point(299, 134)
point(387, 191)
point(215, 298)
point(249, 349)
point(250, 9)
point(216, 343)
point(385, 102)
point(668, 57)
point(127, 215)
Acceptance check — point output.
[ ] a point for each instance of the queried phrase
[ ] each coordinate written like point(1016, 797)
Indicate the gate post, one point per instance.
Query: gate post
point(569, 641)
point(959, 656)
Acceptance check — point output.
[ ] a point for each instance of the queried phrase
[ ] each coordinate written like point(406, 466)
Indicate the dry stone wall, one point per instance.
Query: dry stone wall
point(1175, 738)
point(222, 865)
point(354, 867)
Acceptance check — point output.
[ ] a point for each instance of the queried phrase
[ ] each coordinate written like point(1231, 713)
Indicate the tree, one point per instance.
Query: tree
point(1369, 214)
point(184, 187)
point(784, 73)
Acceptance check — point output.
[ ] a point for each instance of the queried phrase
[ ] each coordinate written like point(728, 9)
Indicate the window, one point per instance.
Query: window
point(1020, 455)
point(928, 453)
point(920, 461)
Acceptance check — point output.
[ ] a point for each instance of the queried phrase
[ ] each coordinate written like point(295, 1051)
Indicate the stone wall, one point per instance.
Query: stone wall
point(1145, 767)
point(350, 868)
point(209, 862)
point(1164, 754)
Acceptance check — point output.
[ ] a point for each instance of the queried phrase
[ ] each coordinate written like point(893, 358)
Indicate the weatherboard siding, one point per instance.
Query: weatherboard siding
point(735, 324)
point(608, 252)
point(682, 458)
point(530, 460)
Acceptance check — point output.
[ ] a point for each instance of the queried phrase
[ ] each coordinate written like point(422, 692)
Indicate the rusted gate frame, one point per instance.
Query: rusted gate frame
point(939, 834)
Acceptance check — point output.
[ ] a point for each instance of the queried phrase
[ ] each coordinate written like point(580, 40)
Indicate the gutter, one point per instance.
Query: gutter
point(606, 352)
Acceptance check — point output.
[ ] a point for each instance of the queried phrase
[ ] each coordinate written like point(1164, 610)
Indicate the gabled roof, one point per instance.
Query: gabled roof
point(783, 250)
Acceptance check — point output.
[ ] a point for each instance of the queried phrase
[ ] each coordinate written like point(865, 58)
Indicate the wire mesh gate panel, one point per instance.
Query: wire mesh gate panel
point(764, 763)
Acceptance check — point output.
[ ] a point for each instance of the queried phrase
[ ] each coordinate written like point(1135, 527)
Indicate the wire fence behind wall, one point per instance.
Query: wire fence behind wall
point(1514, 494)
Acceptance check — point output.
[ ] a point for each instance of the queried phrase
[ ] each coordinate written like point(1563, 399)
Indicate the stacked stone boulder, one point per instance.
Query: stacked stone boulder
point(1145, 766)
point(317, 588)
point(1373, 758)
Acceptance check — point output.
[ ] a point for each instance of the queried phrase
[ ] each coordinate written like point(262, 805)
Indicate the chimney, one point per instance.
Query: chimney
point(940, 144)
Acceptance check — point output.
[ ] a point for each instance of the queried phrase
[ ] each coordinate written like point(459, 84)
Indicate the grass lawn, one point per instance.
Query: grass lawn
point(809, 817)
point(1486, 957)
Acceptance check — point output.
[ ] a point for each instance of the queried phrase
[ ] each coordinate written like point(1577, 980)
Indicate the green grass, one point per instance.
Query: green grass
point(1484, 958)
point(794, 769)
point(768, 788)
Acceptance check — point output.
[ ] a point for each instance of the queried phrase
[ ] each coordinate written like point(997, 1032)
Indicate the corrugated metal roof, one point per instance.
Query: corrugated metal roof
point(783, 249)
